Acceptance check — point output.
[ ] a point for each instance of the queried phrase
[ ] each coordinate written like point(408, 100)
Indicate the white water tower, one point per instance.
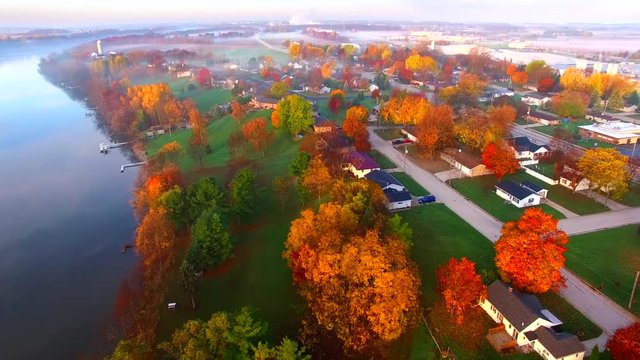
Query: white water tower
point(99, 46)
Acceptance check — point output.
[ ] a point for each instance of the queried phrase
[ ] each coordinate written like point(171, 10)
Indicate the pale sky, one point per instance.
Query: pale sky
point(112, 12)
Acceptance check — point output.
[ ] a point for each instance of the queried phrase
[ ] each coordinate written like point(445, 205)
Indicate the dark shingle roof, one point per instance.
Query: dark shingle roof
point(519, 192)
point(531, 186)
point(540, 115)
point(362, 161)
point(520, 309)
point(537, 95)
point(559, 345)
point(598, 115)
point(397, 196)
point(382, 178)
point(522, 143)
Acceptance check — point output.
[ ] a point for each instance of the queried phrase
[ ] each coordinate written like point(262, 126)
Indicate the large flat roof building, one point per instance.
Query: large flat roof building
point(613, 132)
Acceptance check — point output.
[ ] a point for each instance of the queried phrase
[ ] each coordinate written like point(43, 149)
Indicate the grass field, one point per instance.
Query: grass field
point(323, 108)
point(631, 197)
point(414, 188)
point(382, 160)
point(438, 235)
point(218, 133)
point(389, 134)
point(481, 190)
point(241, 55)
point(608, 260)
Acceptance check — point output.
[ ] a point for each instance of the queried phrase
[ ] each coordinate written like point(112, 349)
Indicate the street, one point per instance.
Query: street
point(601, 310)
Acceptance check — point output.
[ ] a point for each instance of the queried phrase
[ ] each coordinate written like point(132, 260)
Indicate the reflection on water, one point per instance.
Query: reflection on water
point(64, 213)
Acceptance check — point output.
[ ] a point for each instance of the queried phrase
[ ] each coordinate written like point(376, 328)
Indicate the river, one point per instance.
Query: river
point(64, 213)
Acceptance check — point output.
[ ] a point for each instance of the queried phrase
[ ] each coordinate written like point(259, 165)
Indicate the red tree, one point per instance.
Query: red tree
point(362, 143)
point(460, 286)
point(255, 131)
point(500, 159)
point(237, 111)
point(545, 84)
point(375, 94)
point(625, 343)
point(204, 77)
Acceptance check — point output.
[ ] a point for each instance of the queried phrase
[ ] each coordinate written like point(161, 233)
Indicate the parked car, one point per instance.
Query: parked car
point(397, 142)
point(426, 199)
point(407, 141)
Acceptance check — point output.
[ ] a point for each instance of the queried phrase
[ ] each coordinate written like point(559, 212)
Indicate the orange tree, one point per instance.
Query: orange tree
point(500, 159)
point(460, 286)
point(354, 273)
point(529, 253)
point(435, 132)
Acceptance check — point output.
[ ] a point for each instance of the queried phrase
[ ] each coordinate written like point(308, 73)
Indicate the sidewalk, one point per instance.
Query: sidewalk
point(608, 315)
point(566, 212)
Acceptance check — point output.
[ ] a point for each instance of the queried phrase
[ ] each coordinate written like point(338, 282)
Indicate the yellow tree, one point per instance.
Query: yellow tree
point(575, 80)
point(295, 49)
point(421, 64)
point(606, 170)
point(317, 178)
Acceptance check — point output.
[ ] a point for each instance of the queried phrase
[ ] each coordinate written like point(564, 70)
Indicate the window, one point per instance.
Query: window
point(530, 200)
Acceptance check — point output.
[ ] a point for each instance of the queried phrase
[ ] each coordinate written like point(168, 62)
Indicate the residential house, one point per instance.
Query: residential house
point(397, 196)
point(468, 164)
point(263, 102)
point(573, 180)
point(523, 319)
point(628, 107)
point(373, 87)
point(518, 194)
point(542, 118)
point(359, 164)
point(535, 188)
point(598, 117)
point(612, 132)
point(536, 98)
point(527, 152)
point(322, 125)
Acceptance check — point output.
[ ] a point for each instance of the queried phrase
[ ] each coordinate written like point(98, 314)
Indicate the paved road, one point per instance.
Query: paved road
point(269, 46)
point(600, 309)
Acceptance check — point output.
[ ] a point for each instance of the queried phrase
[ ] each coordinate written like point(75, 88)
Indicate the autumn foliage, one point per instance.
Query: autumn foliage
point(336, 100)
point(529, 253)
point(607, 170)
point(255, 131)
point(435, 131)
point(501, 159)
point(460, 286)
point(237, 111)
point(520, 78)
point(625, 343)
point(405, 109)
point(359, 285)
point(570, 104)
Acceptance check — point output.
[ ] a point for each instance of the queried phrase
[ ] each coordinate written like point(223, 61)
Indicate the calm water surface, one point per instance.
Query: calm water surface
point(64, 213)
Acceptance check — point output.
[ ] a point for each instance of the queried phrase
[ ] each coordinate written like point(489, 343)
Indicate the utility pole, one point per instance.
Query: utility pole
point(633, 291)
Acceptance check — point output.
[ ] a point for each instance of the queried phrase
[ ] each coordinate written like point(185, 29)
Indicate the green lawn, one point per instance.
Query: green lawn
point(389, 134)
point(544, 169)
point(382, 160)
point(206, 98)
point(631, 197)
point(218, 132)
point(481, 190)
point(608, 260)
point(323, 108)
point(241, 55)
point(414, 188)
point(575, 202)
point(438, 235)
point(522, 121)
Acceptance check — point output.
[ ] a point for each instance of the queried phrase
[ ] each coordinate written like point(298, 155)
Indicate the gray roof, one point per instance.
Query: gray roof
point(537, 95)
point(520, 309)
point(518, 191)
point(382, 178)
point(531, 186)
point(558, 344)
point(541, 115)
point(397, 196)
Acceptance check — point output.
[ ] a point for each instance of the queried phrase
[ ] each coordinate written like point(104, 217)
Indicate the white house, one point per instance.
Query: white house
point(397, 196)
point(524, 320)
point(573, 180)
point(410, 132)
point(468, 164)
point(536, 98)
point(528, 152)
point(518, 194)
point(359, 164)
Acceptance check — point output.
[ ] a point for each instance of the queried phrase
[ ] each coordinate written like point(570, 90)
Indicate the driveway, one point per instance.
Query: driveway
point(601, 310)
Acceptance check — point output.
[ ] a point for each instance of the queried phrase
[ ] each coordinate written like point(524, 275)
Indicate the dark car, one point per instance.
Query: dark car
point(426, 199)
point(397, 142)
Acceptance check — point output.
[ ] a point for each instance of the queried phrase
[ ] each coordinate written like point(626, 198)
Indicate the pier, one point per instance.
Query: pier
point(131, 165)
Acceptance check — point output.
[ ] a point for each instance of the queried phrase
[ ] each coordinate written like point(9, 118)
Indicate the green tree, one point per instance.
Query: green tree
point(175, 201)
point(133, 349)
point(634, 98)
point(295, 114)
point(400, 229)
point(189, 281)
point(242, 192)
point(300, 164)
point(210, 241)
point(203, 195)
point(224, 336)
point(290, 350)
point(279, 90)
